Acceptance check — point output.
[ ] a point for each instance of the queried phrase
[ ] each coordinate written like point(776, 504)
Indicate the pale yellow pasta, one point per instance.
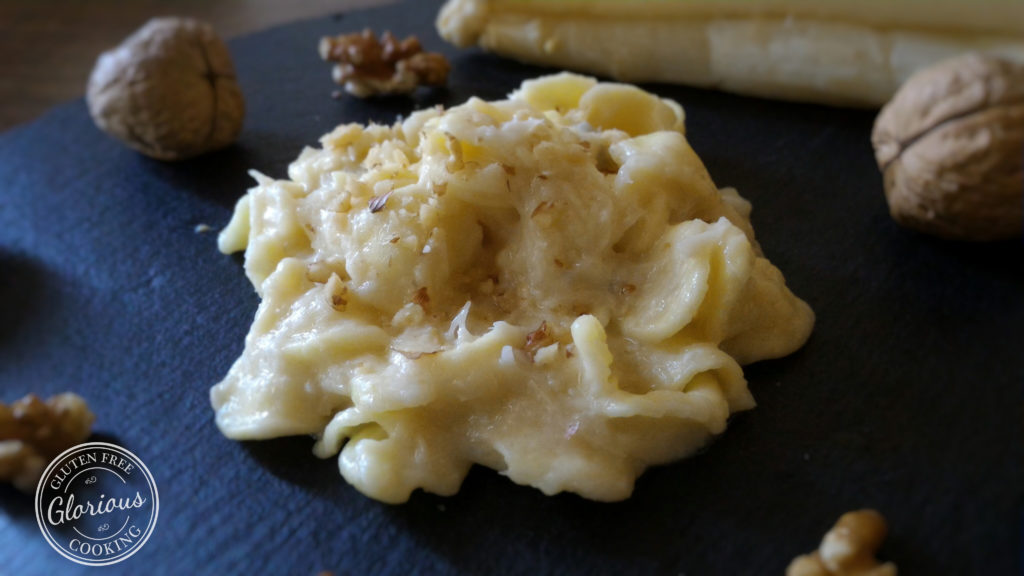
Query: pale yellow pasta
point(549, 285)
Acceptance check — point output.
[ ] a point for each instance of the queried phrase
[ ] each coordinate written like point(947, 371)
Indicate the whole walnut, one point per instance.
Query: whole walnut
point(168, 91)
point(848, 549)
point(951, 148)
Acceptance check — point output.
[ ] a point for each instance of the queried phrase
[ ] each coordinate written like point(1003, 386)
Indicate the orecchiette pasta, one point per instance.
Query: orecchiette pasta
point(549, 285)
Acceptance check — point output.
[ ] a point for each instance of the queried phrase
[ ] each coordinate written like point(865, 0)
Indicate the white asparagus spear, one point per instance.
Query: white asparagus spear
point(798, 55)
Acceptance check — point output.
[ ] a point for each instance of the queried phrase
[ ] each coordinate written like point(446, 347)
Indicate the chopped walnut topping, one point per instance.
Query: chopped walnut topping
point(848, 549)
point(421, 298)
point(377, 203)
point(538, 339)
point(337, 291)
point(33, 432)
point(366, 66)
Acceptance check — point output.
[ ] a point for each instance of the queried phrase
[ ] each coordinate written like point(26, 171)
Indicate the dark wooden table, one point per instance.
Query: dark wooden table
point(47, 48)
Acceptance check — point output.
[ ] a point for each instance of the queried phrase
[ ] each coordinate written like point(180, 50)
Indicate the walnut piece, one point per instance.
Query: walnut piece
point(33, 432)
point(950, 148)
point(539, 338)
point(168, 91)
point(366, 66)
point(848, 549)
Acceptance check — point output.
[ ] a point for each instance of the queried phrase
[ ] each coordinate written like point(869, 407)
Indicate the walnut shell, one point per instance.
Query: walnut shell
point(168, 91)
point(951, 148)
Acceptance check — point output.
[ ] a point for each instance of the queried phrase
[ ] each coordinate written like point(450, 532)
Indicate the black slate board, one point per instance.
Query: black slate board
point(907, 398)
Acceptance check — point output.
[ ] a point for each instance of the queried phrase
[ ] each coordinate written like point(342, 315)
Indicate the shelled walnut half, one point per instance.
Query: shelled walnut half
point(33, 432)
point(366, 65)
point(848, 549)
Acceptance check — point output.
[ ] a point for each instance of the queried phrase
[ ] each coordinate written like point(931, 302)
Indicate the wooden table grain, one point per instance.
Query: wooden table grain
point(48, 47)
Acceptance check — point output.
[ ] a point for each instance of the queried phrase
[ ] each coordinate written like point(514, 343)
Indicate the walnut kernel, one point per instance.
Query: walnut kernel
point(848, 549)
point(33, 432)
point(366, 66)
